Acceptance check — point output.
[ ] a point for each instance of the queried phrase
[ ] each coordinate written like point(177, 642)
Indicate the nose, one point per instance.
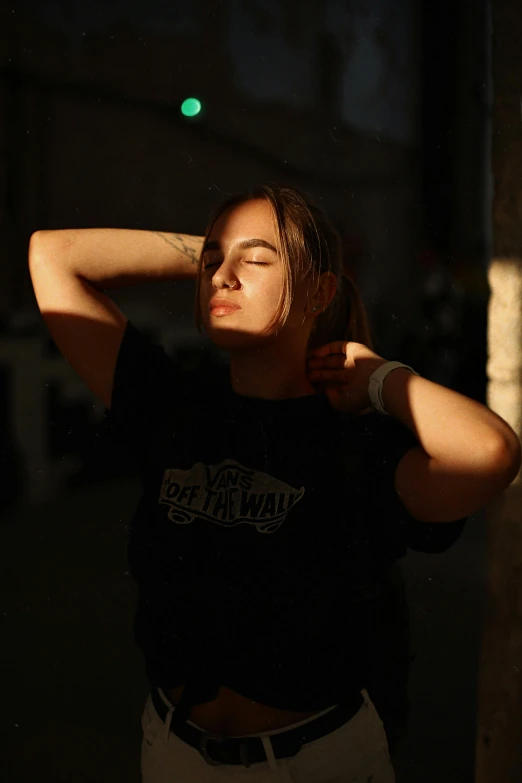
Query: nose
point(224, 277)
point(225, 285)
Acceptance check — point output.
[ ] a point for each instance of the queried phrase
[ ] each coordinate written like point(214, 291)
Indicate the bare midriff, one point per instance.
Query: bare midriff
point(231, 715)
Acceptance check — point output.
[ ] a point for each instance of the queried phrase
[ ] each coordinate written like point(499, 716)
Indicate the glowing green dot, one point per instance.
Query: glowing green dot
point(190, 107)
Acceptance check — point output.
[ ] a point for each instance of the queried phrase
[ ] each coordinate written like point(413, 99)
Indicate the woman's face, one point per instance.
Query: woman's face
point(241, 266)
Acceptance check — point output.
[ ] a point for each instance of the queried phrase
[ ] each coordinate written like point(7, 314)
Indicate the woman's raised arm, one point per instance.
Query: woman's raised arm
point(70, 270)
point(116, 257)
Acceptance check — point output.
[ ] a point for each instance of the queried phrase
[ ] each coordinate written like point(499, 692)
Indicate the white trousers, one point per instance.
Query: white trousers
point(355, 753)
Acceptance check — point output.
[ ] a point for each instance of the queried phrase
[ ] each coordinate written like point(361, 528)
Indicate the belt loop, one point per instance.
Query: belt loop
point(270, 757)
point(168, 721)
point(168, 718)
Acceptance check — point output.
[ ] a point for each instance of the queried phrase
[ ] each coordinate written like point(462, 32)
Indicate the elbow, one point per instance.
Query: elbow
point(37, 245)
point(506, 460)
point(45, 245)
point(515, 459)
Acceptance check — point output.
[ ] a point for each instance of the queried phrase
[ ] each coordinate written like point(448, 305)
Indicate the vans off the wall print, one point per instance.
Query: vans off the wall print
point(227, 494)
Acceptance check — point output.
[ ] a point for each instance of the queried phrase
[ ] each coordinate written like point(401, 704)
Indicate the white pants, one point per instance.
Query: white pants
point(355, 753)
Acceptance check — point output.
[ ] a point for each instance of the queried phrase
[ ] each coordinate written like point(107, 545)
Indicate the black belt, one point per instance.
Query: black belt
point(249, 750)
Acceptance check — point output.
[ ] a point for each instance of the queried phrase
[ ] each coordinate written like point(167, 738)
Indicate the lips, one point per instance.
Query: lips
point(223, 305)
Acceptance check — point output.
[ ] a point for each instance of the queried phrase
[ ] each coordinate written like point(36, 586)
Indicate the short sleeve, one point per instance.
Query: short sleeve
point(387, 441)
point(149, 388)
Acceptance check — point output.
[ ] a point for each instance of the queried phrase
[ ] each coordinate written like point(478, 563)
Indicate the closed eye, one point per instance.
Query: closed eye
point(256, 263)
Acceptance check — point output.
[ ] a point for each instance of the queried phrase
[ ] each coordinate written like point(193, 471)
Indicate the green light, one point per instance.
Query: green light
point(190, 107)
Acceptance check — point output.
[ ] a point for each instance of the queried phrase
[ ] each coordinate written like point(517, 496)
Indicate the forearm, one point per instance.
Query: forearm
point(450, 427)
point(113, 258)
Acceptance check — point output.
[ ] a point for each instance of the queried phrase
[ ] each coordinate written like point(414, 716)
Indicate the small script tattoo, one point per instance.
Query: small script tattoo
point(178, 242)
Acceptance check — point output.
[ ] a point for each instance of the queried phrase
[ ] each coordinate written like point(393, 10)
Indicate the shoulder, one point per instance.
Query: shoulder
point(155, 383)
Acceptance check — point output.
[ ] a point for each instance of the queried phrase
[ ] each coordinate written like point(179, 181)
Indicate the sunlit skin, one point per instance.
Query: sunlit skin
point(270, 365)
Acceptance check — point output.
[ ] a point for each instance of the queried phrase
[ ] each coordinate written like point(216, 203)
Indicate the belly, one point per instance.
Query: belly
point(231, 715)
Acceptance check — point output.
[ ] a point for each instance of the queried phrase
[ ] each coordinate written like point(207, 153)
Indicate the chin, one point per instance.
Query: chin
point(232, 339)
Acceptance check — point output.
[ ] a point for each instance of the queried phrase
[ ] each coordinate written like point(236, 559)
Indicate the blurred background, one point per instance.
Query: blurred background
point(377, 109)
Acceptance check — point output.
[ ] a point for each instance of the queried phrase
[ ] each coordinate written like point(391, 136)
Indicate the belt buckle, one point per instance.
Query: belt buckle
point(203, 747)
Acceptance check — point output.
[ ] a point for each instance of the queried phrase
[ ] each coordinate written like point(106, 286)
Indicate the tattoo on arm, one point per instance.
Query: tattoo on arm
point(177, 242)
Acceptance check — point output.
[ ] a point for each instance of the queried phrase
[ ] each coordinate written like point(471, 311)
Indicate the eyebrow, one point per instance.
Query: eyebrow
point(244, 245)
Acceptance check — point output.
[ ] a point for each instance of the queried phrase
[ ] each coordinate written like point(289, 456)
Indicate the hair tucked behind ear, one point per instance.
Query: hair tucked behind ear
point(345, 319)
point(309, 246)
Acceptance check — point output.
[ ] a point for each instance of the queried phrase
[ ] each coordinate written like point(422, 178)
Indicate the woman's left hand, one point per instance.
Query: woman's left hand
point(342, 371)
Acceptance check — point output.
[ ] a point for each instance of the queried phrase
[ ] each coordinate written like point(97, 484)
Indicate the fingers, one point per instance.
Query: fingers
point(334, 361)
point(337, 347)
point(330, 376)
point(332, 368)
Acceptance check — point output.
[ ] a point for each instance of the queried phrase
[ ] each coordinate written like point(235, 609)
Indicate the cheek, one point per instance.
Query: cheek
point(267, 302)
point(272, 288)
point(270, 295)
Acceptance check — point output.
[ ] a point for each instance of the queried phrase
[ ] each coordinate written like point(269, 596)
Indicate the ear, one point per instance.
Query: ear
point(326, 290)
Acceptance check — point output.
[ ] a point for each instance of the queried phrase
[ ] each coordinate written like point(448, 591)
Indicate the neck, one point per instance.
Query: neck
point(268, 374)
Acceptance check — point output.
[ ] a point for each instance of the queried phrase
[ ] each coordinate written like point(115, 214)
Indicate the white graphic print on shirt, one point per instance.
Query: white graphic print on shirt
point(228, 494)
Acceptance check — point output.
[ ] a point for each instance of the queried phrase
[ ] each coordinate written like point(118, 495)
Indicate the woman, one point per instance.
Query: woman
point(271, 505)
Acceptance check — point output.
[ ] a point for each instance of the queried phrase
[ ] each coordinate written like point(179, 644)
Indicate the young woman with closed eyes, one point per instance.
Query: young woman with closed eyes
point(274, 496)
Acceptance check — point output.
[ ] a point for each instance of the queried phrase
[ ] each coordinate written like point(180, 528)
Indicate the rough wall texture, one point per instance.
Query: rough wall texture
point(499, 730)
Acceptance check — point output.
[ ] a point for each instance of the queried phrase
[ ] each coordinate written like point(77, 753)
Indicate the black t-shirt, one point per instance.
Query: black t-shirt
point(261, 532)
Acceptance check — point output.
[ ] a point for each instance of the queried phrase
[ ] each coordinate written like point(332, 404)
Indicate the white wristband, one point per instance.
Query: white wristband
point(376, 383)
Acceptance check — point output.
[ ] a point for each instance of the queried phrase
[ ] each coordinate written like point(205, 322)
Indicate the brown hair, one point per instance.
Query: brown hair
point(309, 245)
